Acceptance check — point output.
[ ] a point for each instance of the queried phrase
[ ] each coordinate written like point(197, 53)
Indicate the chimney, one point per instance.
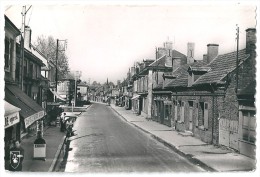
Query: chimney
point(205, 58)
point(161, 52)
point(27, 37)
point(250, 40)
point(190, 53)
point(212, 52)
point(176, 62)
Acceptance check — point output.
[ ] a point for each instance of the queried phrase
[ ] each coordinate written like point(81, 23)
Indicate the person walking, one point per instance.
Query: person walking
point(62, 122)
point(16, 157)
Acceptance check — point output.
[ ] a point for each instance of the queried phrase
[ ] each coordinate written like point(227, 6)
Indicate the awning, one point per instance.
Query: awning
point(135, 97)
point(57, 95)
point(11, 114)
point(30, 110)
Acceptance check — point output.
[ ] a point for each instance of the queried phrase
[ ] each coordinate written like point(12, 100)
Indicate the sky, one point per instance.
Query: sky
point(105, 40)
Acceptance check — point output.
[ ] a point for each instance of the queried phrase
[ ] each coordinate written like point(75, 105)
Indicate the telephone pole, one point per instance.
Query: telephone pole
point(57, 57)
point(24, 12)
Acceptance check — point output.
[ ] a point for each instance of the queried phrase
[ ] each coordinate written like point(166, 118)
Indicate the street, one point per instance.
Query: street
point(106, 143)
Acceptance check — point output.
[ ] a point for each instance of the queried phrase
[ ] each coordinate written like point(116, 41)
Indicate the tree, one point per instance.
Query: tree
point(47, 46)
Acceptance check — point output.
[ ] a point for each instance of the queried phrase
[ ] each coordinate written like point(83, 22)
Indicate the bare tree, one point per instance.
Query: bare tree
point(47, 45)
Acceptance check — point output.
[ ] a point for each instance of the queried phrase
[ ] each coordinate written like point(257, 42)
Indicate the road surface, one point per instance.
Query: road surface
point(106, 143)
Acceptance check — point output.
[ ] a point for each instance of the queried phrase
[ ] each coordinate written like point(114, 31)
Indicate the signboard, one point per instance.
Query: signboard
point(12, 119)
point(30, 120)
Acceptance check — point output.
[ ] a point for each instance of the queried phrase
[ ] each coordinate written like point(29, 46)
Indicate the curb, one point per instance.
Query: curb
point(57, 155)
point(58, 152)
point(190, 157)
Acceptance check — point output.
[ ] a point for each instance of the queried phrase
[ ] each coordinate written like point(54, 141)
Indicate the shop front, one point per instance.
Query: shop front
point(12, 126)
point(30, 111)
point(162, 109)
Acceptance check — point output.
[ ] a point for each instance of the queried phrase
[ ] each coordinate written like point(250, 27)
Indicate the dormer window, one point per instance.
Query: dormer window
point(195, 73)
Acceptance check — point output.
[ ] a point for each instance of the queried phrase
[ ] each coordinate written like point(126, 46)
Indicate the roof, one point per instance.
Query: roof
point(10, 24)
point(221, 66)
point(159, 62)
point(182, 75)
point(199, 69)
point(249, 90)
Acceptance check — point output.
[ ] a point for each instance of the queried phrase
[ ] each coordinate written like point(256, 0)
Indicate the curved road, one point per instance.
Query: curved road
point(106, 143)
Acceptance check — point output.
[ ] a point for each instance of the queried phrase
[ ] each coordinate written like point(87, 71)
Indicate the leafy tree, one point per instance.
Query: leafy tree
point(48, 45)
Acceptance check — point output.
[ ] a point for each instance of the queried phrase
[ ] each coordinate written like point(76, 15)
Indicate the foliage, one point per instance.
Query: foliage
point(48, 45)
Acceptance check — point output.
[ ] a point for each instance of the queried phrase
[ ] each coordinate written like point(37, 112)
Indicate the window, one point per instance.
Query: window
point(249, 126)
point(31, 72)
point(7, 54)
point(17, 69)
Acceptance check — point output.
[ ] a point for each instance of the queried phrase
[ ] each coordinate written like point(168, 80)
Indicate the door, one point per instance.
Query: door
point(228, 133)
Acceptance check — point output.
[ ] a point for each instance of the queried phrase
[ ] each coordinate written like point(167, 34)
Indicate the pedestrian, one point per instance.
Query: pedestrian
point(16, 157)
point(62, 122)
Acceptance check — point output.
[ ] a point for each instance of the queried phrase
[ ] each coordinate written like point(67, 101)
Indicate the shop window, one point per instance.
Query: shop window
point(249, 126)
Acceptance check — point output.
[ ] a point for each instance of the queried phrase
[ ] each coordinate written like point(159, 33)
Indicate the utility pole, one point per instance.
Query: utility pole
point(57, 57)
point(56, 74)
point(237, 59)
point(24, 12)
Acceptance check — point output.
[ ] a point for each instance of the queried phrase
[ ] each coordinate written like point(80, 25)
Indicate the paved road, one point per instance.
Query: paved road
point(106, 143)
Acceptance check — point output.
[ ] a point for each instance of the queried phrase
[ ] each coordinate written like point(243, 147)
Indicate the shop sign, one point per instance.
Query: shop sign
point(30, 120)
point(12, 119)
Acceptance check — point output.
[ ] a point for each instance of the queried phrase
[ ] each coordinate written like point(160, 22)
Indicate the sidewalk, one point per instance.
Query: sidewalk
point(211, 157)
point(53, 138)
point(54, 142)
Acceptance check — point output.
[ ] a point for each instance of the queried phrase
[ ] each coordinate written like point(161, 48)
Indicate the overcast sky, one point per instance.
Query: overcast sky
point(104, 41)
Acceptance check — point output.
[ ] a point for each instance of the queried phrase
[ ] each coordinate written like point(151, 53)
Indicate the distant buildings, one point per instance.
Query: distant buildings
point(211, 99)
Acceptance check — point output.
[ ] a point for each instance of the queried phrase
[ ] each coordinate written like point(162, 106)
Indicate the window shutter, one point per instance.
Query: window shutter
point(176, 111)
point(206, 116)
point(182, 111)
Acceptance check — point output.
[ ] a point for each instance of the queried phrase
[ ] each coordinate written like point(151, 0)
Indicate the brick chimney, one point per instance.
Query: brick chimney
point(212, 52)
point(250, 40)
point(190, 53)
point(176, 62)
point(27, 37)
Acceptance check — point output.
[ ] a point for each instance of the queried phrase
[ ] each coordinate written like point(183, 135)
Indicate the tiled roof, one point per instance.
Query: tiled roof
point(159, 62)
point(176, 53)
point(221, 66)
point(201, 68)
point(182, 79)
